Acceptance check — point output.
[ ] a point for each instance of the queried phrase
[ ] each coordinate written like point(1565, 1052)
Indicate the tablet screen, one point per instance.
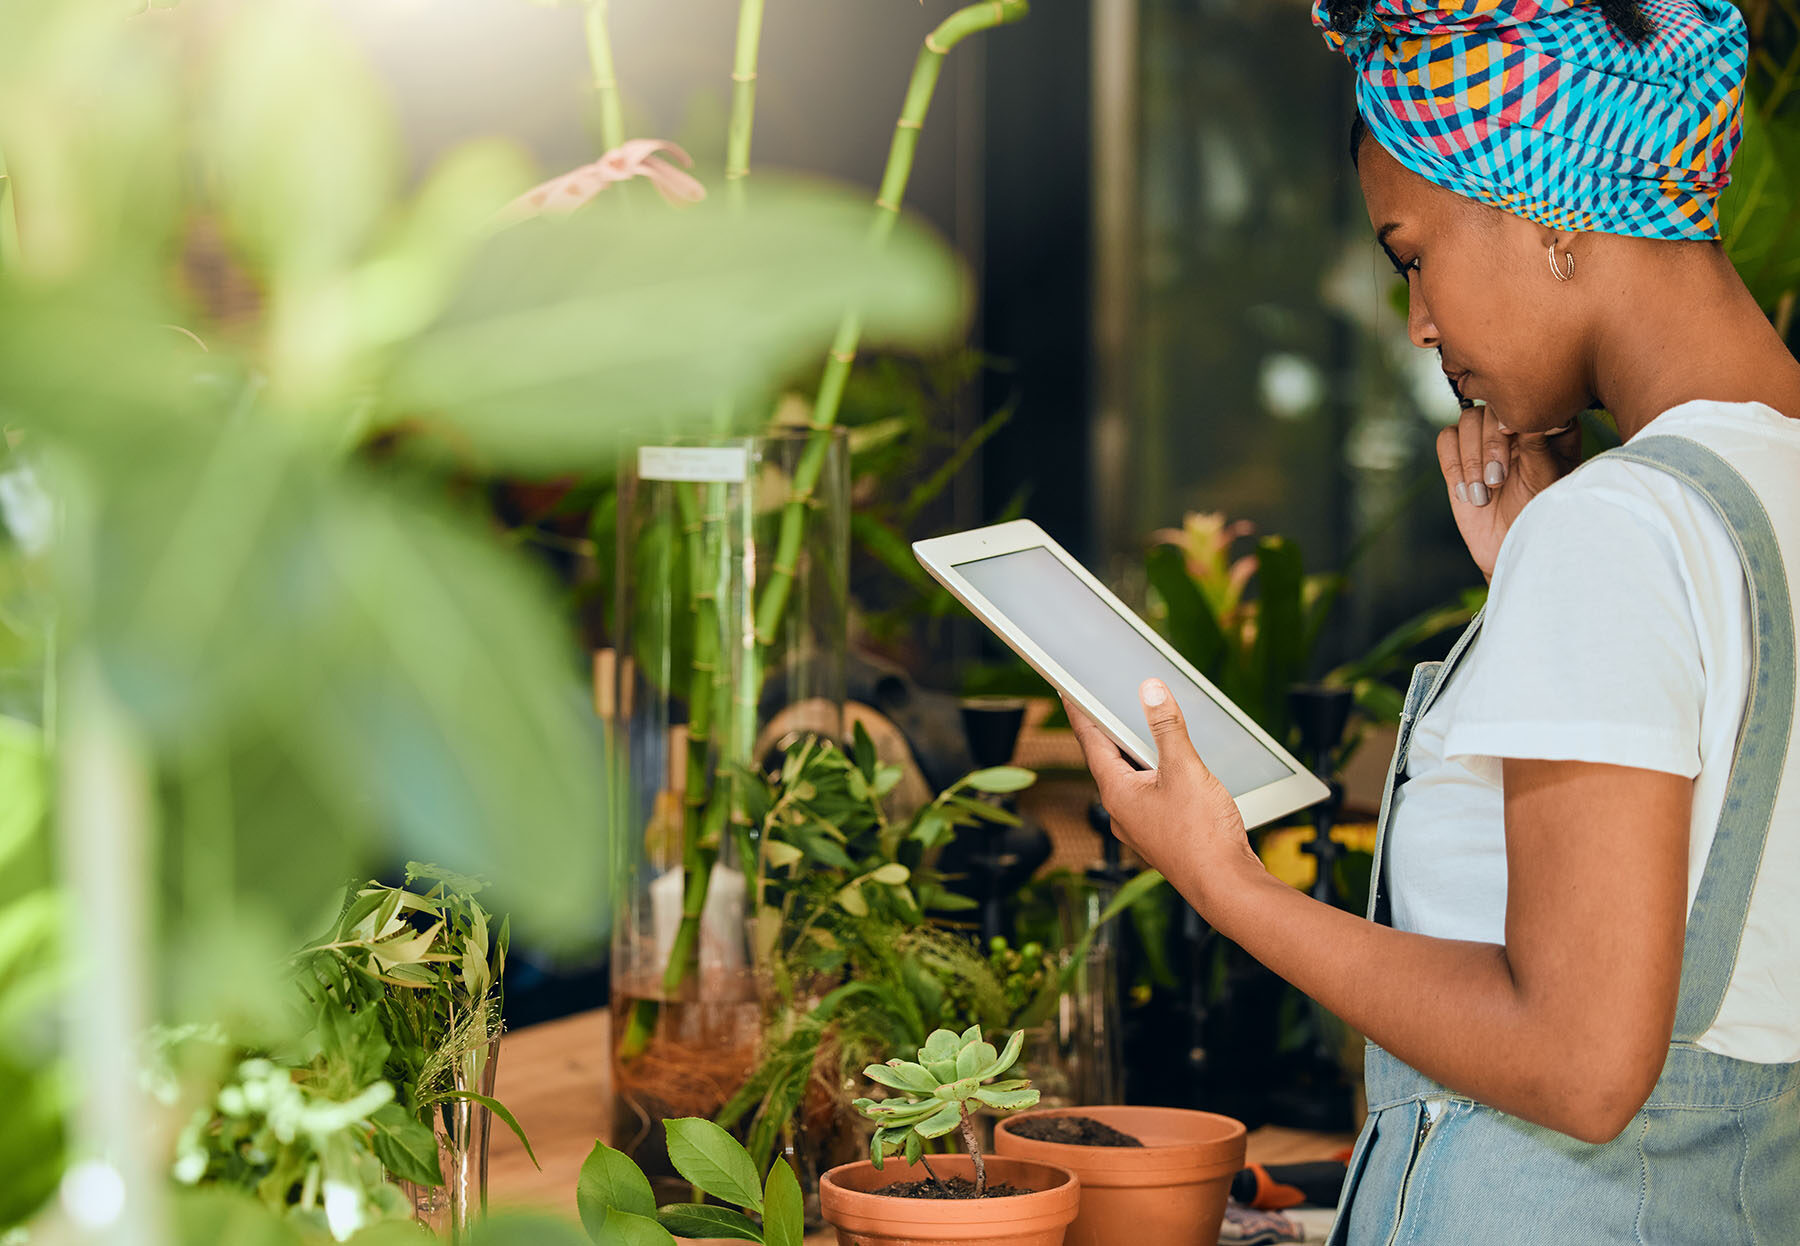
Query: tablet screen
point(1109, 657)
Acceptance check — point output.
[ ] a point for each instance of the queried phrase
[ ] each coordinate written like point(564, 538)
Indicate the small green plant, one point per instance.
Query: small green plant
point(618, 1209)
point(940, 1091)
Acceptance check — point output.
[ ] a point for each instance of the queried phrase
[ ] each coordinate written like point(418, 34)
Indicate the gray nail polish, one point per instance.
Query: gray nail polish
point(1478, 494)
point(1462, 492)
point(1496, 474)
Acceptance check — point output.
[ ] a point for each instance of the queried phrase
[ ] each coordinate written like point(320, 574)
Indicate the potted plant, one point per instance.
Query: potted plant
point(950, 1198)
point(1149, 1176)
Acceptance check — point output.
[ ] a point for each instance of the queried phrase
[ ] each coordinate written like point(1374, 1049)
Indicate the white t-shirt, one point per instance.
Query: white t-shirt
point(1618, 632)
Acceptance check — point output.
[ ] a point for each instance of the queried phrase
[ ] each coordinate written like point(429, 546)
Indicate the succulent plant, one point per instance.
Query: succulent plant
point(938, 1093)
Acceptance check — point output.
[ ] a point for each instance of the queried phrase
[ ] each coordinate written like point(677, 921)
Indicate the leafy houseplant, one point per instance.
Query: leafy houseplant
point(716, 742)
point(426, 964)
point(947, 1198)
point(392, 1081)
point(859, 941)
point(939, 1093)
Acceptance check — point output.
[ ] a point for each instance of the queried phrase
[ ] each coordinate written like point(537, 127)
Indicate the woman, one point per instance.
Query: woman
point(1581, 973)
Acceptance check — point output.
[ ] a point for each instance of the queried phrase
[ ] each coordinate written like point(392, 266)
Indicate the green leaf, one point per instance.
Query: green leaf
point(1008, 1057)
point(503, 1112)
point(891, 874)
point(780, 854)
point(1007, 1100)
point(622, 1228)
point(521, 1229)
point(975, 1058)
point(1278, 651)
point(941, 1122)
point(712, 1159)
point(567, 333)
point(219, 1216)
point(610, 1181)
point(405, 1146)
point(902, 1075)
point(915, 1146)
point(850, 898)
point(703, 1220)
point(1001, 779)
point(1189, 622)
point(784, 1208)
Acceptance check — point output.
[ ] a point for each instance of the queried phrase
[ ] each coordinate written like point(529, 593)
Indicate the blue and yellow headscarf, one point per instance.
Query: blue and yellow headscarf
point(1540, 107)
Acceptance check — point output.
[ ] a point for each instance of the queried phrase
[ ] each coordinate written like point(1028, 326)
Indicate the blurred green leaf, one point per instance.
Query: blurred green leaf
point(570, 334)
point(1189, 622)
point(1759, 212)
point(1279, 650)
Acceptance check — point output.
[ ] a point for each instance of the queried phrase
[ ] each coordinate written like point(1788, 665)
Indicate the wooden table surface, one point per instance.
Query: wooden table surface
point(556, 1078)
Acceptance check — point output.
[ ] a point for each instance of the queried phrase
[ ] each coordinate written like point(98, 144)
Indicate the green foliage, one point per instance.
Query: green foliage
point(291, 1141)
point(1759, 213)
point(1255, 646)
point(952, 1079)
point(617, 1208)
point(404, 998)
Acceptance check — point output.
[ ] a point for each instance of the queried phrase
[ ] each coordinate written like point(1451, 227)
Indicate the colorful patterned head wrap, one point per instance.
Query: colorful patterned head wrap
point(1541, 108)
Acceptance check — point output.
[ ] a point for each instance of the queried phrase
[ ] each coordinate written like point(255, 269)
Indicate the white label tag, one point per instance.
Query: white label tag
point(699, 464)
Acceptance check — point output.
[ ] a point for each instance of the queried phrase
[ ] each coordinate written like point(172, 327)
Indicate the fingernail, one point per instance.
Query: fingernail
point(1478, 494)
point(1496, 473)
point(1462, 492)
point(1155, 693)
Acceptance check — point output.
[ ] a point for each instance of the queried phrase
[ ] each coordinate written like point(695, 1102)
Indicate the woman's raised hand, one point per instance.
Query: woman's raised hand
point(1491, 472)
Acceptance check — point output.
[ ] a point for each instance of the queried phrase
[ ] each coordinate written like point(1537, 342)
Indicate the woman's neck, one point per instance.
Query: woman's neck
point(1693, 332)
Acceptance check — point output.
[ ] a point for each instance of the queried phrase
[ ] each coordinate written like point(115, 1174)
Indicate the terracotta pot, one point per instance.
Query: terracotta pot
point(1169, 1192)
point(864, 1218)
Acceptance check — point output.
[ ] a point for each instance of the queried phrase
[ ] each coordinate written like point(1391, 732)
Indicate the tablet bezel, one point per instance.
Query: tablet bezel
point(939, 556)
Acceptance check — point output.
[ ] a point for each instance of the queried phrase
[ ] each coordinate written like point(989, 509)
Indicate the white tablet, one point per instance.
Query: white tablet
point(1096, 652)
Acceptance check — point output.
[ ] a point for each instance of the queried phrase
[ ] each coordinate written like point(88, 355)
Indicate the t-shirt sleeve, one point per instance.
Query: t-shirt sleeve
point(1589, 650)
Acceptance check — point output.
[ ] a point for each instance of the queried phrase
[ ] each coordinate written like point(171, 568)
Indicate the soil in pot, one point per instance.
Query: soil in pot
point(949, 1187)
point(1073, 1131)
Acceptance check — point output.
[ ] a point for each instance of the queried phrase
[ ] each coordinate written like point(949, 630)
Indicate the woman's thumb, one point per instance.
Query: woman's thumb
point(1167, 726)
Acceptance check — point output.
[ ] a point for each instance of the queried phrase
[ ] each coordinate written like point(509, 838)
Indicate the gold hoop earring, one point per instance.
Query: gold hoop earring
point(1557, 270)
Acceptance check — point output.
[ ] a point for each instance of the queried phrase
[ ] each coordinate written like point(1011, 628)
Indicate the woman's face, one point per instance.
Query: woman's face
point(1480, 292)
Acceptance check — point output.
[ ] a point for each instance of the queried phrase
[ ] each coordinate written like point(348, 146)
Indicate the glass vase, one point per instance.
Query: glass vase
point(451, 1210)
point(732, 626)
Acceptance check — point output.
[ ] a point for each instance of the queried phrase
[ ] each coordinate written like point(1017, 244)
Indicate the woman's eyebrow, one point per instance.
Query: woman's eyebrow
point(1381, 235)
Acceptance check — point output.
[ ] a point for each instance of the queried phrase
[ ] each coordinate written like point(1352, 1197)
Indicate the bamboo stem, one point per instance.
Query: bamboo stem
point(951, 31)
point(606, 80)
point(700, 842)
point(743, 99)
point(105, 830)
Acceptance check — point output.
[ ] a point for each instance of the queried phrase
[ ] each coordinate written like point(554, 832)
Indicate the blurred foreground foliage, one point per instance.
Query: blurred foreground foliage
point(215, 292)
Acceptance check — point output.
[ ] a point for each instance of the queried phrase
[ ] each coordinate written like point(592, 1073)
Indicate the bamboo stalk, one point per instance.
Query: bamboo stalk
point(743, 99)
point(701, 848)
point(606, 80)
point(951, 31)
point(105, 825)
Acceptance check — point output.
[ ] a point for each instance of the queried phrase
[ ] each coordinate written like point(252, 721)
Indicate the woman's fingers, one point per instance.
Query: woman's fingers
point(1470, 446)
point(1496, 453)
point(1449, 449)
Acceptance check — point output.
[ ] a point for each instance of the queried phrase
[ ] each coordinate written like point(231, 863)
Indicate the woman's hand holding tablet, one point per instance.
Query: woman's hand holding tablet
point(1097, 654)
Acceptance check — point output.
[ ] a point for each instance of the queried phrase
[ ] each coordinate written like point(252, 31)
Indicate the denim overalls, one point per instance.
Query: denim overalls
point(1713, 1158)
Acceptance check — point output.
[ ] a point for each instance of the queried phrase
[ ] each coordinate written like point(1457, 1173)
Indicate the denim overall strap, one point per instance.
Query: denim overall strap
point(1716, 921)
point(1428, 679)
